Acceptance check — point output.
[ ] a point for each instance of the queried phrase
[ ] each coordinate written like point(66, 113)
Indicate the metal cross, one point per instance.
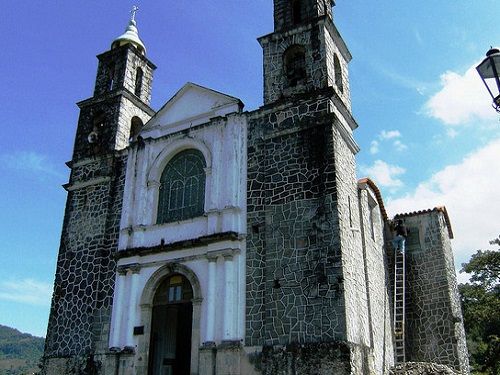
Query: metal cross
point(134, 10)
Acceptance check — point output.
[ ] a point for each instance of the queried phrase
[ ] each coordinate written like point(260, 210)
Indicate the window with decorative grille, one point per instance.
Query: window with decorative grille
point(182, 188)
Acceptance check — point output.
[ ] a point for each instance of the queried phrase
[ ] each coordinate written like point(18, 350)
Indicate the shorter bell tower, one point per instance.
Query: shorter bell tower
point(86, 267)
point(122, 95)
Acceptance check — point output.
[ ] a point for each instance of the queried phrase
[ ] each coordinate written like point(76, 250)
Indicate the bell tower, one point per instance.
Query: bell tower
point(305, 53)
point(84, 283)
point(122, 95)
point(306, 286)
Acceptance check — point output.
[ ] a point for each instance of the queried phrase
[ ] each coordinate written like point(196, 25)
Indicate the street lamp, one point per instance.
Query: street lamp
point(488, 70)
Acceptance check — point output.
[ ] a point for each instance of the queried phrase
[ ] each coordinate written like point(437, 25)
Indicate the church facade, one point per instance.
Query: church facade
point(205, 239)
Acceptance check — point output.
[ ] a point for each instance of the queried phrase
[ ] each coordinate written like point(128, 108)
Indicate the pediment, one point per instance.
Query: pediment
point(190, 106)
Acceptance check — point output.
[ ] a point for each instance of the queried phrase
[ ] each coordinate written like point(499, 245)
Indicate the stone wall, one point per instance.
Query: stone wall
point(117, 70)
point(294, 270)
point(377, 279)
point(310, 9)
point(434, 325)
point(84, 282)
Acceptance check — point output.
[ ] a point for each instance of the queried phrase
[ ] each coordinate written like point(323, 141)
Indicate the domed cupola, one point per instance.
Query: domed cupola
point(131, 35)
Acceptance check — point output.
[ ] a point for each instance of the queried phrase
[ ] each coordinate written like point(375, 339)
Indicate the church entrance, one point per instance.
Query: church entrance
point(171, 326)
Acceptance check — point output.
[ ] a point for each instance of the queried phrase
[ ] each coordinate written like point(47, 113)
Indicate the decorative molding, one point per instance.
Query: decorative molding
point(81, 185)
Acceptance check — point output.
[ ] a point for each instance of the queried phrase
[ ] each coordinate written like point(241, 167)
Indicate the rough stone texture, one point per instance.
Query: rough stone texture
point(356, 304)
point(123, 62)
point(83, 287)
point(421, 368)
point(320, 41)
point(84, 284)
point(294, 275)
point(109, 112)
point(304, 359)
point(434, 324)
point(379, 298)
point(317, 293)
point(311, 9)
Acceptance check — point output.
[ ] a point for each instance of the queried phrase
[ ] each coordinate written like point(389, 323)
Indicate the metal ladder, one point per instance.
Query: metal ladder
point(399, 306)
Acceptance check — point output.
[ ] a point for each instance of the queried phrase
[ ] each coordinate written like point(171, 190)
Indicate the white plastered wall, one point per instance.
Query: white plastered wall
point(222, 141)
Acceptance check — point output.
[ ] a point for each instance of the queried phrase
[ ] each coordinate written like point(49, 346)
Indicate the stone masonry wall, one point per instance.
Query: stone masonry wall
point(133, 62)
point(434, 320)
point(376, 271)
point(320, 50)
point(310, 9)
point(274, 47)
point(84, 282)
point(107, 114)
point(128, 110)
point(123, 62)
point(294, 268)
point(332, 51)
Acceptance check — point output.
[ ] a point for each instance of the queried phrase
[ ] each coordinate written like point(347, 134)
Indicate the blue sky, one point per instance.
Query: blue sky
point(428, 134)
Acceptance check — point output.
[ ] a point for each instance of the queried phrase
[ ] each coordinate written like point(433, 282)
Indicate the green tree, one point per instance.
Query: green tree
point(481, 307)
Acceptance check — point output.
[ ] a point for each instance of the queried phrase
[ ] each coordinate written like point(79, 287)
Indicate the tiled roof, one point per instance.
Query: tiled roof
point(435, 209)
point(378, 196)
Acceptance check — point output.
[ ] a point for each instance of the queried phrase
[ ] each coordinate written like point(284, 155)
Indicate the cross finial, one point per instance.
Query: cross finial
point(134, 10)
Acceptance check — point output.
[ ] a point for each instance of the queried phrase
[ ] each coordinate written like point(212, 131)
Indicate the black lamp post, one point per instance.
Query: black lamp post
point(489, 70)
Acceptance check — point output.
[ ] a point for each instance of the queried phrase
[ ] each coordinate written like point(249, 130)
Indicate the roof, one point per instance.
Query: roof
point(378, 195)
point(441, 209)
point(193, 104)
point(130, 36)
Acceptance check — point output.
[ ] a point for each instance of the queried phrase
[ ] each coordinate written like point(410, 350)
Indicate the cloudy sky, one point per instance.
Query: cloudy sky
point(426, 129)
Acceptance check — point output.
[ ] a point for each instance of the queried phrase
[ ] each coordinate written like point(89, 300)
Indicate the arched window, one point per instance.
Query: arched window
point(135, 127)
point(338, 73)
point(138, 81)
point(182, 187)
point(295, 65)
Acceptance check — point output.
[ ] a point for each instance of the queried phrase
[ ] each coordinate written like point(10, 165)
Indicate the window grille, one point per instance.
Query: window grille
point(182, 188)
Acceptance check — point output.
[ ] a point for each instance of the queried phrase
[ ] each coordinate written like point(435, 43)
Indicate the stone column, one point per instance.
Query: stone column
point(196, 336)
point(210, 332)
point(151, 201)
point(117, 318)
point(133, 270)
point(229, 300)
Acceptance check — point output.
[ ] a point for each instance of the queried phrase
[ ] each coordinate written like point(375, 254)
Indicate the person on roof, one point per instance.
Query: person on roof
point(398, 242)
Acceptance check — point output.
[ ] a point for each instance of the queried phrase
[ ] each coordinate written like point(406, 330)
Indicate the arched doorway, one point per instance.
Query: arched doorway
point(171, 327)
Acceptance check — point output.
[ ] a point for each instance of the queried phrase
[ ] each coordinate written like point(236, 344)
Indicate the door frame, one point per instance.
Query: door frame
point(147, 312)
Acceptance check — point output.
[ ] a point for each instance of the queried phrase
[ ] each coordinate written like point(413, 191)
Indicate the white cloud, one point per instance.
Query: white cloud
point(374, 147)
point(387, 135)
point(390, 134)
point(462, 98)
point(384, 174)
point(469, 191)
point(451, 132)
point(29, 161)
point(27, 291)
point(399, 146)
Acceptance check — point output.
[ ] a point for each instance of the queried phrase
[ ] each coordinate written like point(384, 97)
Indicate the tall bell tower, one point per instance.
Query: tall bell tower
point(83, 289)
point(305, 52)
point(306, 284)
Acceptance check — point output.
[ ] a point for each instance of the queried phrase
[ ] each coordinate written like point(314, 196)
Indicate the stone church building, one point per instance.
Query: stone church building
point(205, 239)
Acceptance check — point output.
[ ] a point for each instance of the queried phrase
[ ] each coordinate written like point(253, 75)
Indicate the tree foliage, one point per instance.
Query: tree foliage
point(481, 307)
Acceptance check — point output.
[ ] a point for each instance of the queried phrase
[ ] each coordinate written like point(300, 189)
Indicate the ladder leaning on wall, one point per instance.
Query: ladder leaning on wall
point(399, 306)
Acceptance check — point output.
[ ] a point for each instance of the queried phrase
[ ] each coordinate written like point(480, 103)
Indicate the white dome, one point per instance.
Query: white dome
point(131, 35)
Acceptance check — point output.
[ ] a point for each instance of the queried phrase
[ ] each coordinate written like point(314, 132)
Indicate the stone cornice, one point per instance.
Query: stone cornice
point(179, 245)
